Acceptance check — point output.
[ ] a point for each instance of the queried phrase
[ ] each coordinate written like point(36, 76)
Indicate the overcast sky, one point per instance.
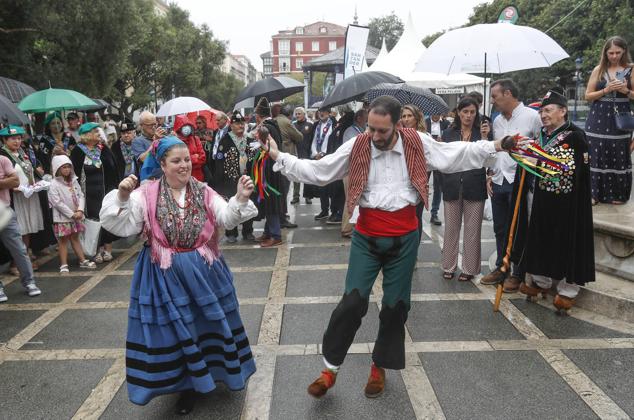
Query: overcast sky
point(248, 24)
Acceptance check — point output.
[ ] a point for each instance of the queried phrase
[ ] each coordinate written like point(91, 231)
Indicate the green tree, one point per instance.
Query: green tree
point(582, 34)
point(389, 27)
point(119, 50)
point(73, 44)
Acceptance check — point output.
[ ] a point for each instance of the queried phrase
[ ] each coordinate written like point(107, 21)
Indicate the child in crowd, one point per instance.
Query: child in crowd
point(67, 200)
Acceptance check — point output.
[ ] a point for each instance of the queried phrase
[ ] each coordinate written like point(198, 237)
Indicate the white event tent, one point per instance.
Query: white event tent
point(401, 61)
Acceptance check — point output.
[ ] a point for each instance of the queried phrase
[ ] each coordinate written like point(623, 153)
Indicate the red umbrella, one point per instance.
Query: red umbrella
point(210, 117)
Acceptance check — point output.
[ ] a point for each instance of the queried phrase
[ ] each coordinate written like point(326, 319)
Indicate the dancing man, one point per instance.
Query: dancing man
point(388, 178)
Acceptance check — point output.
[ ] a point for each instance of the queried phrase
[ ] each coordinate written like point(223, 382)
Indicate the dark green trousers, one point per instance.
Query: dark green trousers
point(396, 257)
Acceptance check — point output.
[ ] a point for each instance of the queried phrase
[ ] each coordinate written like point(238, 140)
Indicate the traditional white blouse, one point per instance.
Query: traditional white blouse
point(389, 187)
point(125, 218)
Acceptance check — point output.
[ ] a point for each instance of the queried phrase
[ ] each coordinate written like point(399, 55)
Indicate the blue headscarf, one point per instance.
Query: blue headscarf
point(151, 162)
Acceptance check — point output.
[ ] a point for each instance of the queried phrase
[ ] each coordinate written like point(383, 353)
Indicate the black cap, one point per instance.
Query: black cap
point(127, 125)
point(237, 117)
point(554, 97)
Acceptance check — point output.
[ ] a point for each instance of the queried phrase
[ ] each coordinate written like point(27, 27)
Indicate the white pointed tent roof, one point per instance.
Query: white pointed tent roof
point(402, 58)
point(381, 59)
point(401, 61)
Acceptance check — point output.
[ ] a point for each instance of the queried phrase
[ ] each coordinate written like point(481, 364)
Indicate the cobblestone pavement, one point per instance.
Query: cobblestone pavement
point(62, 354)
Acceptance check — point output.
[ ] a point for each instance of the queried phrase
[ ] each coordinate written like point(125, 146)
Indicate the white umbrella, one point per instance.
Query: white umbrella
point(182, 105)
point(490, 48)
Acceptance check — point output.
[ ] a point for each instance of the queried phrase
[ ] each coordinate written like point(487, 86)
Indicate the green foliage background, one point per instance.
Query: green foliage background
point(118, 50)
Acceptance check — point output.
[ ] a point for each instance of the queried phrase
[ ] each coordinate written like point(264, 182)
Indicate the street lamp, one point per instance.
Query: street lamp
point(578, 62)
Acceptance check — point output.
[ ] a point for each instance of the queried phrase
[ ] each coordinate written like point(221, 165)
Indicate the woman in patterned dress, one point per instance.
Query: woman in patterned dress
point(610, 89)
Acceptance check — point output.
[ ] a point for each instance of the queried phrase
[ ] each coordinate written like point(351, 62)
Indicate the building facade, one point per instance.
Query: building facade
point(267, 64)
point(240, 67)
point(291, 49)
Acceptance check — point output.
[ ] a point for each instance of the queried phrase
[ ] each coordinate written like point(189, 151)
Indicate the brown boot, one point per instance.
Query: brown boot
point(512, 284)
point(531, 291)
point(322, 384)
point(563, 302)
point(376, 382)
point(494, 277)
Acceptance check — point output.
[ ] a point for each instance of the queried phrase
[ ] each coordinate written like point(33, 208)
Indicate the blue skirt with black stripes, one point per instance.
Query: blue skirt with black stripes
point(184, 329)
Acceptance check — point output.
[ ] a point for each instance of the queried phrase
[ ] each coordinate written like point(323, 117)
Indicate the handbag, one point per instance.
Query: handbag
point(624, 121)
point(89, 238)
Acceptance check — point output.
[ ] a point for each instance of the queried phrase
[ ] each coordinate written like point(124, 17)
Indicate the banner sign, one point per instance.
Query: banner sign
point(509, 15)
point(354, 52)
point(449, 91)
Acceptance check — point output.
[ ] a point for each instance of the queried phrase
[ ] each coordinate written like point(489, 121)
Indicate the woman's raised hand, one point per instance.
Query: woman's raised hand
point(245, 188)
point(126, 187)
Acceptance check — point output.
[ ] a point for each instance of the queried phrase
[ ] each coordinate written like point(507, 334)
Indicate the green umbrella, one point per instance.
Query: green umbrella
point(54, 99)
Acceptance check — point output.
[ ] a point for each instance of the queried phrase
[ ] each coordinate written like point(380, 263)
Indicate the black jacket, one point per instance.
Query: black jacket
point(472, 183)
point(120, 161)
point(444, 124)
point(306, 128)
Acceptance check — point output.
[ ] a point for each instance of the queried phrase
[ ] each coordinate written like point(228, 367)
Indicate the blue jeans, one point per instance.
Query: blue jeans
point(437, 198)
point(12, 241)
point(272, 226)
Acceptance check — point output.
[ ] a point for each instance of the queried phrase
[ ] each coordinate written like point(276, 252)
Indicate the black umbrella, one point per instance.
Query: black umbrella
point(355, 87)
point(14, 90)
point(10, 114)
point(423, 98)
point(101, 104)
point(273, 88)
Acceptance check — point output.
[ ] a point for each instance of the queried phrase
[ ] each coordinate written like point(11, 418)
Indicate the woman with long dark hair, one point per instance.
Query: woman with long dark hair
point(464, 196)
point(610, 91)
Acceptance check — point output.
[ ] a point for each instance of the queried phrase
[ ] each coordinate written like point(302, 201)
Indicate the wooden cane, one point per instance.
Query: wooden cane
point(506, 262)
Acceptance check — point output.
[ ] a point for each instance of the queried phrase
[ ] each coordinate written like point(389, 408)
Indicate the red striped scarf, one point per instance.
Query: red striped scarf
point(361, 155)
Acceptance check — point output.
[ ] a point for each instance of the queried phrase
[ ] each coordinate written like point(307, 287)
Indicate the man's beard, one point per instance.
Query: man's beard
point(387, 145)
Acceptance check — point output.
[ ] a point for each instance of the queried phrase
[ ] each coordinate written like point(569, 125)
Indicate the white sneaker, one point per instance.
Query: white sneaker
point(3, 296)
point(107, 256)
point(32, 290)
point(87, 264)
point(98, 258)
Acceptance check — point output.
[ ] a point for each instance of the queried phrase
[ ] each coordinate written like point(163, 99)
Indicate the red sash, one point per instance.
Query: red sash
point(375, 222)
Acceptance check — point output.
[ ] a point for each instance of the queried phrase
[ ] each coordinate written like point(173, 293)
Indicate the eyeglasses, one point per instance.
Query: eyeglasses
point(150, 125)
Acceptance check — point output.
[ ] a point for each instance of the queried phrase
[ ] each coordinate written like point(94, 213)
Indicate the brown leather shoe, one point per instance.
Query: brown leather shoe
point(322, 384)
point(512, 284)
point(261, 238)
point(376, 382)
point(563, 302)
point(267, 243)
point(532, 291)
point(494, 277)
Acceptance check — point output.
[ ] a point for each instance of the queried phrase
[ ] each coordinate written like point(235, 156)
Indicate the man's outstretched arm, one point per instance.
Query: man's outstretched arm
point(316, 172)
point(460, 156)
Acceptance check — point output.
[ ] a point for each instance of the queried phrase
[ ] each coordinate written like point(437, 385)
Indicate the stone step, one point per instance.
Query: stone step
point(609, 295)
point(614, 239)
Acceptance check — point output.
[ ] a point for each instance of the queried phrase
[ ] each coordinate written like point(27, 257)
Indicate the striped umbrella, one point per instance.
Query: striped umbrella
point(428, 102)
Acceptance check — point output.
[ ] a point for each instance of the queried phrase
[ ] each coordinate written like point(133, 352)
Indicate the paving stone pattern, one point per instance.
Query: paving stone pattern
point(62, 354)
